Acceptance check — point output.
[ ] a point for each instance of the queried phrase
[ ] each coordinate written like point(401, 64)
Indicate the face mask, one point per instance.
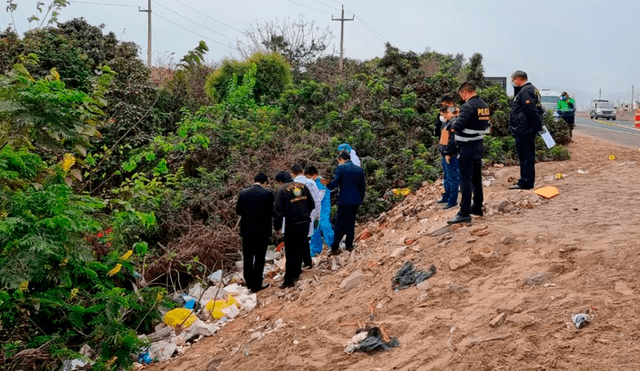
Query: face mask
point(442, 118)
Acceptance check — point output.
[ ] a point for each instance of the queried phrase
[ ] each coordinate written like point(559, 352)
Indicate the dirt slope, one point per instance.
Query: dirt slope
point(537, 262)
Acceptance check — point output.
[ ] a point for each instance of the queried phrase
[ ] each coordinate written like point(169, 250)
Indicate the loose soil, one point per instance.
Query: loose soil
point(533, 261)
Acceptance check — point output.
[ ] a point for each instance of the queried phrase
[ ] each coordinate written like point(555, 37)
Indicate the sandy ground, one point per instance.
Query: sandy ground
point(536, 262)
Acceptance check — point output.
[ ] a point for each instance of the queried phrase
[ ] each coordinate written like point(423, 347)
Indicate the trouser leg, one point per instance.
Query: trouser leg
point(526, 149)
point(352, 211)
point(445, 180)
point(258, 266)
point(248, 256)
point(341, 223)
point(452, 184)
point(465, 163)
point(476, 178)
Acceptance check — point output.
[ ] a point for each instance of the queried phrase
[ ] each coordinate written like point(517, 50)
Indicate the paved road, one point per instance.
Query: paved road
point(621, 132)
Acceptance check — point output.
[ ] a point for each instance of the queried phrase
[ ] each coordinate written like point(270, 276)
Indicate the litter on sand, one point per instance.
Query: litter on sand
point(370, 339)
point(580, 320)
point(547, 192)
point(409, 276)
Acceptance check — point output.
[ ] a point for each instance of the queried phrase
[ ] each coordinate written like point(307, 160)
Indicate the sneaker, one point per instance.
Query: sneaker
point(286, 285)
point(334, 252)
point(459, 219)
point(447, 206)
point(442, 201)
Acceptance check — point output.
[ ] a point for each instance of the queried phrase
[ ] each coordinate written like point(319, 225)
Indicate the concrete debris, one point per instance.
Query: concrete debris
point(355, 279)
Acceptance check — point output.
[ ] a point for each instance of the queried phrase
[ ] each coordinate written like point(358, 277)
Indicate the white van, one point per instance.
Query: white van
point(602, 108)
point(550, 99)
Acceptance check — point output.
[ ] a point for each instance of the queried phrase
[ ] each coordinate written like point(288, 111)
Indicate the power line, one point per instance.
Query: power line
point(193, 32)
point(192, 21)
point(373, 32)
point(204, 15)
point(106, 4)
point(308, 7)
point(363, 40)
point(327, 5)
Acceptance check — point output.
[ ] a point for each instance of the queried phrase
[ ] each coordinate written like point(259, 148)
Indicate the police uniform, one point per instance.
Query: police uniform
point(525, 121)
point(294, 203)
point(470, 127)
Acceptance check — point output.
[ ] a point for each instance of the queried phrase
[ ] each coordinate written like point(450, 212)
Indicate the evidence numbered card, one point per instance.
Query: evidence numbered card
point(546, 136)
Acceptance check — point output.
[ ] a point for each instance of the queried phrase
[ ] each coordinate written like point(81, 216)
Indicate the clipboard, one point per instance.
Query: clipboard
point(546, 136)
point(444, 137)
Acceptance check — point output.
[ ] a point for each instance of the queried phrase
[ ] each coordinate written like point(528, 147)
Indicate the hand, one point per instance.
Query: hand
point(447, 158)
point(324, 181)
point(279, 232)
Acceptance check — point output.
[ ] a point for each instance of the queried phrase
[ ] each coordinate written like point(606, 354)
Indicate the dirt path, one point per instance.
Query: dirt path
point(535, 261)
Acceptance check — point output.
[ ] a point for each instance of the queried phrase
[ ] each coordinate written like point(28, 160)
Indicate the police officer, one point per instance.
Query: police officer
point(566, 109)
point(470, 126)
point(293, 203)
point(525, 121)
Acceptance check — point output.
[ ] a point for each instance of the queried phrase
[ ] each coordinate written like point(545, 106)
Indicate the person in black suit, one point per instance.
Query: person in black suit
point(293, 206)
point(255, 207)
point(350, 178)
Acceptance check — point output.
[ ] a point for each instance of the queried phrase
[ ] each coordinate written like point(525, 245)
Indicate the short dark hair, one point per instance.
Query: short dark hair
point(565, 93)
point(468, 87)
point(310, 170)
point(260, 178)
point(283, 177)
point(444, 109)
point(446, 99)
point(520, 74)
point(296, 169)
point(344, 155)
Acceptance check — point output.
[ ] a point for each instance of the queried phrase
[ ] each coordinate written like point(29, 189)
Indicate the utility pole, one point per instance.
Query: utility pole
point(600, 94)
point(342, 19)
point(632, 96)
point(148, 11)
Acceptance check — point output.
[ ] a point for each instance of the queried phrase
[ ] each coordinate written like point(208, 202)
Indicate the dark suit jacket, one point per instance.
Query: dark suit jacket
point(350, 179)
point(255, 206)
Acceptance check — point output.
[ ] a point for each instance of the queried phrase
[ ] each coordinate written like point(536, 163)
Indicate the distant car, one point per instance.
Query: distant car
point(602, 108)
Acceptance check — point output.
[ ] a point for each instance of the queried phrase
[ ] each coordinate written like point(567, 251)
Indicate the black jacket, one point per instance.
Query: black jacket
point(450, 149)
point(255, 206)
point(472, 122)
point(294, 203)
point(526, 111)
point(350, 178)
point(437, 130)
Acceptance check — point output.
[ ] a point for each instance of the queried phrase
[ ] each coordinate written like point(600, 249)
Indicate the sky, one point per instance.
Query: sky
point(578, 46)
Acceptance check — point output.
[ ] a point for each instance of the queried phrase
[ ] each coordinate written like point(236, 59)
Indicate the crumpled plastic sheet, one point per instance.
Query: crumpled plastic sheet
point(408, 276)
point(372, 343)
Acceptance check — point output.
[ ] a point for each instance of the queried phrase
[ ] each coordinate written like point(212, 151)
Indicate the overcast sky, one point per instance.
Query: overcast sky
point(579, 46)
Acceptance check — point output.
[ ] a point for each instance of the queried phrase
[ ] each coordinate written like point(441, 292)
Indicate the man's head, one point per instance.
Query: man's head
point(296, 170)
point(445, 114)
point(260, 178)
point(466, 90)
point(343, 157)
point(311, 172)
point(283, 177)
point(565, 95)
point(446, 101)
point(519, 78)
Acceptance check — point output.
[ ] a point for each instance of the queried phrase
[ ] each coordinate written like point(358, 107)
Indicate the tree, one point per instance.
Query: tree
point(299, 42)
point(475, 71)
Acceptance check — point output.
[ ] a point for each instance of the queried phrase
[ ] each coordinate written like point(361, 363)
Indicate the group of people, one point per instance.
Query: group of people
point(301, 210)
point(301, 206)
point(461, 132)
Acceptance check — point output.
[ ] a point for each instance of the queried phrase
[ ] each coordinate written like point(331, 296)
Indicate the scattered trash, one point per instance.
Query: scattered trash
point(536, 279)
point(190, 304)
point(216, 276)
point(145, 358)
point(612, 157)
point(580, 171)
point(177, 316)
point(559, 176)
point(547, 192)
point(370, 339)
point(409, 276)
point(580, 320)
point(401, 192)
point(73, 364)
point(215, 307)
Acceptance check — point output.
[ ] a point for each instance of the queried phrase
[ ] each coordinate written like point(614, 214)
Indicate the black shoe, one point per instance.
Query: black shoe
point(254, 290)
point(447, 206)
point(476, 210)
point(334, 252)
point(286, 285)
point(518, 186)
point(442, 201)
point(349, 249)
point(459, 219)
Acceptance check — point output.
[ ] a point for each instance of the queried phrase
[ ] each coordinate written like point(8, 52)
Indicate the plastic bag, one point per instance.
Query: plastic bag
point(176, 316)
point(215, 307)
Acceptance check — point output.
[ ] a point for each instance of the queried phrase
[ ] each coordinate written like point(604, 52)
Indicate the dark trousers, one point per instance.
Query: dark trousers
point(451, 180)
point(570, 120)
point(295, 239)
point(253, 252)
point(345, 224)
point(470, 163)
point(526, 149)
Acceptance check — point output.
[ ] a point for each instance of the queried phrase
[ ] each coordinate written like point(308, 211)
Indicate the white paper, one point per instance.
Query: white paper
point(546, 136)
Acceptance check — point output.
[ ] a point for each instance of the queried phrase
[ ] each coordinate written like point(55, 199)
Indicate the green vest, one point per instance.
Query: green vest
point(563, 105)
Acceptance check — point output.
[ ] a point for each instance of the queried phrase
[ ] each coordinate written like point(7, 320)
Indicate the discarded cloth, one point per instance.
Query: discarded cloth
point(370, 339)
point(409, 276)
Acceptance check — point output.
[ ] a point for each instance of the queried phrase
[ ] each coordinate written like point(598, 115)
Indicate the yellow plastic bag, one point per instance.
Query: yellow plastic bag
point(401, 192)
point(215, 307)
point(176, 316)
